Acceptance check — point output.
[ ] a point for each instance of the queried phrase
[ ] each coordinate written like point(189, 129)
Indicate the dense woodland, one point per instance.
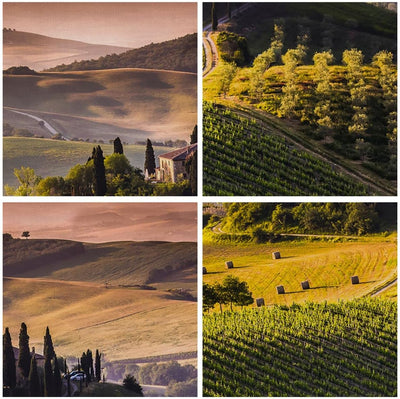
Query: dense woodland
point(175, 55)
point(264, 221)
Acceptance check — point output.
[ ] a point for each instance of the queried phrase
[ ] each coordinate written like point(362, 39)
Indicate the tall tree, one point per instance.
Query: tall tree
point(263, 61)
point(118, 149)
point(191, 170)
point(57, 378)
point(387, 78)
point(323, 90)
point(291, 92)
point(9, 370)
point(228, 72)
point(149, 162)
point(48, 347)
point(193, 136)
point(48, 377)
point(358, 91)
point(228, 10)
point(214, 18)
point(98, 365)
point(24, 358)
point(235, 292)
point(34, 381)
point(89, 356)
point(209, 297)
point(100, 187)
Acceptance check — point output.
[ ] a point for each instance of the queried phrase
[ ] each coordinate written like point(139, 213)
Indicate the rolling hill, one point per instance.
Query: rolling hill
point(133, 104)
point(96, 297)
point(175, 55)
point(327, 264)
point(40, 52)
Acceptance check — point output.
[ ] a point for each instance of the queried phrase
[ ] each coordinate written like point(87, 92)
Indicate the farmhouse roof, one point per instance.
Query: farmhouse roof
point(16, 354)
point(180, 154)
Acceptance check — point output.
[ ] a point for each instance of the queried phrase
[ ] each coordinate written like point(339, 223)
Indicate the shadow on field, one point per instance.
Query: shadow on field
point(367, 282)
point(313, 288)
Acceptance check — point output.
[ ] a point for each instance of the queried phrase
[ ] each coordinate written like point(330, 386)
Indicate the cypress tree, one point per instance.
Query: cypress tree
point(57, 378)
point(193, 136)
point(48, 345)
point(89, 356)
point(100, 187)
point(150, 162)
point(118, 149)
point(34, 381)
point(85, 366)
point(48, 377)
point(9, 370)
point(24, 358)
point(214, 18)
point(191, 170)
point(49, 354)
point(98, 366)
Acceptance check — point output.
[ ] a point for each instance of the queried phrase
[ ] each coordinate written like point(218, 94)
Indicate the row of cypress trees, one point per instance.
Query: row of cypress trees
point(33, 381)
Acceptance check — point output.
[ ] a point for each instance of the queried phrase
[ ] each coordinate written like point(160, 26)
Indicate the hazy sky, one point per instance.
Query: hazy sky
point(121, 24)
point(102, 222)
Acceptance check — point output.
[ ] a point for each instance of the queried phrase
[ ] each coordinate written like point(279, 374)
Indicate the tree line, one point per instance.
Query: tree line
point(264, 219)
point(25, 377)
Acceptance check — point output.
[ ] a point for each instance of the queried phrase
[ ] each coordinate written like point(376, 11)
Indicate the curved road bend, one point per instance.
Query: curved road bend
point(209, 45)
point(50, 128)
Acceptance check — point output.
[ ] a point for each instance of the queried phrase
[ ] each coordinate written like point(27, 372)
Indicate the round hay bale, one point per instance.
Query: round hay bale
point(276, 255)
point(204, 270)
point(305, 285)
point(229, 264)
point(260, 302)
point(355, 280)
point(280, 289)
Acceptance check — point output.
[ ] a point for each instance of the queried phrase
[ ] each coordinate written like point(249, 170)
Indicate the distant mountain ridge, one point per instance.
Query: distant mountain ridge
point(175, 55)
point(40, 51)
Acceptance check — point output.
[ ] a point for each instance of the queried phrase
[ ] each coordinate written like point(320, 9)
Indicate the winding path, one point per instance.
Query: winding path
point(50, 128)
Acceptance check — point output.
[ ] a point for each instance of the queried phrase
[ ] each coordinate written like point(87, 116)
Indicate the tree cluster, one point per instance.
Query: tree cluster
point(311, 218)
point(110, 175)
point(165, 373)
point(31, 380)
point(24, 377)
point(231, 292)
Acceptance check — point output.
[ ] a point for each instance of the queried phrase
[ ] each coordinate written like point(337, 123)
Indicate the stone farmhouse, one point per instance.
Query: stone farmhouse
point(172, 164)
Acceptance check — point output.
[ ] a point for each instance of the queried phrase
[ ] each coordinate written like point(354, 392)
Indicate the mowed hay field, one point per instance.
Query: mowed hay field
point(149, 103)
point(327, 265)
point(121, 323)
point(55, 158)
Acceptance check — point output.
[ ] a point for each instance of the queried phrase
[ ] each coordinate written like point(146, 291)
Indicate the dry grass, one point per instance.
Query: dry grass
point(327, 265)
point(122, 323)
